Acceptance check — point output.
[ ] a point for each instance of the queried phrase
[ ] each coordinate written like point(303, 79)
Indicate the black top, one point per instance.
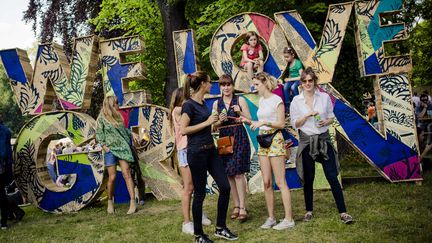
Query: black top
point(197, 113)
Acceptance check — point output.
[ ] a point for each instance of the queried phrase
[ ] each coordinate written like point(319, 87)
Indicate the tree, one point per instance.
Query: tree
point(173, 17)
point(421, 49)
point(61, 18)
point(419, 20)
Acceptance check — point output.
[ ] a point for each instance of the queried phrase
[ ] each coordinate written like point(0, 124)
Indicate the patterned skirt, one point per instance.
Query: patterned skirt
point(239, 161)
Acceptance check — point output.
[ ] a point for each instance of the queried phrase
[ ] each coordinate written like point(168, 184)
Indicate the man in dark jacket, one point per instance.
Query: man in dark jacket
point(5, 162)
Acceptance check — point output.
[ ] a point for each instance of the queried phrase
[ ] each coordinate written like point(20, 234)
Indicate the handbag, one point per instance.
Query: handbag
point(265, 140)
point(225, 145)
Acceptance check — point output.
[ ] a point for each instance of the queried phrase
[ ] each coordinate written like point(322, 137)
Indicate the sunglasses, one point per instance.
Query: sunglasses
point(424, 100)
point(307, 81)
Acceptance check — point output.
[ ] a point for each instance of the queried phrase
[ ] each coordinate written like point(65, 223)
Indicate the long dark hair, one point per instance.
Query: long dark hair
point(176, 100)
point(249, 34)
point(289, 50)
point(193, 81)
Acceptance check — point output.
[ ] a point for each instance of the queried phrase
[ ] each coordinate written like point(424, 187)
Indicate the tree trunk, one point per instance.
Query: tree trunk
point(173, 17)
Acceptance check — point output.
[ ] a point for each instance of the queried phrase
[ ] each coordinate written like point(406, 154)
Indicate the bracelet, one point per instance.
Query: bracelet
point(268, 124)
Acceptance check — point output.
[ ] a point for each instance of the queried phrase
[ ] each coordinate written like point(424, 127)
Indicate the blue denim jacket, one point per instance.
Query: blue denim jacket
point(5, 147)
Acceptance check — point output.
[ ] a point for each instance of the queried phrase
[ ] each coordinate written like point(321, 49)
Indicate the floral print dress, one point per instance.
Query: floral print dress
point(116, 138)
point(239, 161)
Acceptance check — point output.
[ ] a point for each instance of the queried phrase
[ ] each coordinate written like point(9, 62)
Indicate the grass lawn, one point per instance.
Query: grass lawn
point(383, 212)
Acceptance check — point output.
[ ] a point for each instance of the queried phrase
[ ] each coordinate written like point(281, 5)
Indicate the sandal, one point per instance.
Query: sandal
point(233, 214)
point(242, 217)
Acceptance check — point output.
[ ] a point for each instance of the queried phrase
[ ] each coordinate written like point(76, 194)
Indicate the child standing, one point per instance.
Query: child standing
point(252, 55)
point(181, 144)
point(293, 81)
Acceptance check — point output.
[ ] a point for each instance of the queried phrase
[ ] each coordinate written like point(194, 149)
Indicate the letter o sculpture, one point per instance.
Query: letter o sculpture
point(227, 35)
point(85, 168)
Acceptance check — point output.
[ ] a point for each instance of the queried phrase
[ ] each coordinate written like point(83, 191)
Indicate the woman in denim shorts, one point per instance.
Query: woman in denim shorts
point(115, 140)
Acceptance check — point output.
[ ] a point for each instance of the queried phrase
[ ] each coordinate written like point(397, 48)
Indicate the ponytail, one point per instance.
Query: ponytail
point(193, 81)
point(186, 79)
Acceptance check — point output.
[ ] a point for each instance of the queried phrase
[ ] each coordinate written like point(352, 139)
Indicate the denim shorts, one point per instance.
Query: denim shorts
point(110, 159)
point(182, 157)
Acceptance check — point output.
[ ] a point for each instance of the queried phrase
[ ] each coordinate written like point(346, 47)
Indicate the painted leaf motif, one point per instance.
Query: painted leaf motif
point(26, 167)
point(366, 9)
point(74, 93)
point(396, 86)
point(53, 75)
point(77, 123)
point(337, 9)
point(47, 55)
point(399, 118)
point(331, 38)
point(156, 127)
point(109, 61)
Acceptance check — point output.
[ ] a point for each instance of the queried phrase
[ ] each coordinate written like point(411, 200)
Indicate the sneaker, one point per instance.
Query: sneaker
point(308, 217)
point(284, 224)
point(202, 239)
point(188, 228)
point(225, 233)
point(268, 223)
point(346, 218)
point(4, 226)
point(205, 220)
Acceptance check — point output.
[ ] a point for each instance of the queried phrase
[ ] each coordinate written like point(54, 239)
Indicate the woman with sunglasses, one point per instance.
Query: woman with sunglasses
point(230, 108)
point(195, 122)
point(271, 117)
point(115, 139)
point(311, 114)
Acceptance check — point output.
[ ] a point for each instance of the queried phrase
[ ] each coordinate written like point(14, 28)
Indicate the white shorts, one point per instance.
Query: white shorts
point(182, 157)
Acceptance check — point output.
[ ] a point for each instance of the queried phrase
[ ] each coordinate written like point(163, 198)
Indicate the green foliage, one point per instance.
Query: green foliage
point(9, 109)
point(134, 17)
point(421, 51)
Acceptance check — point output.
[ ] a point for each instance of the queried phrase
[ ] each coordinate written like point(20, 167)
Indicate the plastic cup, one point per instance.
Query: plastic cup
point(317, 119)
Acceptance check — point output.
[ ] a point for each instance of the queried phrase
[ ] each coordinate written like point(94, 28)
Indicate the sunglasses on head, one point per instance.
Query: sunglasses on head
point(260, 76)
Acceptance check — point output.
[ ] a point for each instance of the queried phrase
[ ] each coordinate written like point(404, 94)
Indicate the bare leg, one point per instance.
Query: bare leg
point(235, 197)
point(278, 166)
point(267, 179)
point(428, 147)
point(260, 66)
point(187, 192)
point(249, 69)
point(110, 187)
point(240, 183)
point(130, 185)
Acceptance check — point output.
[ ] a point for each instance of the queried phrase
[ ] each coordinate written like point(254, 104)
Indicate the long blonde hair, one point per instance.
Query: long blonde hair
point(110, 112)
point(267, 80)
